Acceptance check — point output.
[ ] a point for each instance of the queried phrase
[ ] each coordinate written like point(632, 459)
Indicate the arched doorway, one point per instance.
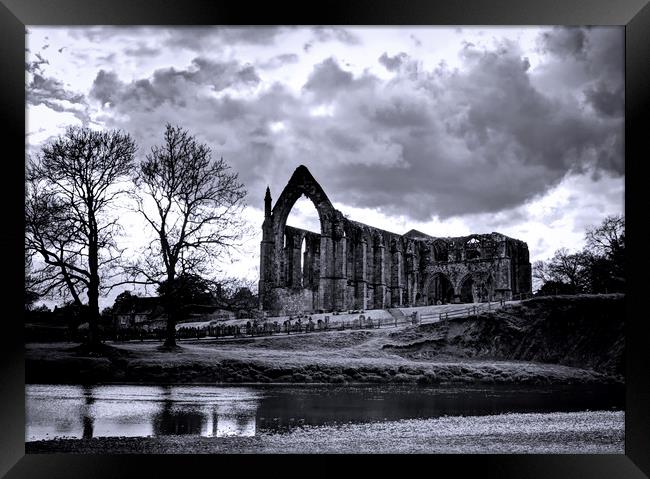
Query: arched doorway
point(440, 290)
point(467, 290)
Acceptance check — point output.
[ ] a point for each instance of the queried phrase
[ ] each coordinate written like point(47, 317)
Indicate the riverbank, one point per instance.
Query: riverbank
point(590, 432)
point(333, 357)
point(557, 340)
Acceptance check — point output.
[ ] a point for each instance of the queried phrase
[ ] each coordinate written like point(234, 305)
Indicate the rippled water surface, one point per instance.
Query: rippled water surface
point(134, 410)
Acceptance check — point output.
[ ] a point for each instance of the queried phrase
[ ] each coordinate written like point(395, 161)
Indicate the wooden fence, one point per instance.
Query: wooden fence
point(364, 321)
point(469, 311)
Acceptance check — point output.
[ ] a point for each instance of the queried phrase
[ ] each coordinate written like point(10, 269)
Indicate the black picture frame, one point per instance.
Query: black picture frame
point(634, 14)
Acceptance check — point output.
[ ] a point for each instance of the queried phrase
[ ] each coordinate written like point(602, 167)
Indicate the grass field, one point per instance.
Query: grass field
point(550, 340)
point(345, 356)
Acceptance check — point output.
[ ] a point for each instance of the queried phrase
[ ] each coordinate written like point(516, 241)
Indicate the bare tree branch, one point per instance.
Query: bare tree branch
point(196, 205)
point(71, 188)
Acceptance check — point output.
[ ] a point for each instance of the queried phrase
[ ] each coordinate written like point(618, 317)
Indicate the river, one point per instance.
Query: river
point(75, 411)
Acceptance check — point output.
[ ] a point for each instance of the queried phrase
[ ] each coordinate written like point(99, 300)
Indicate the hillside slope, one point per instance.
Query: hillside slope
point(585, 331)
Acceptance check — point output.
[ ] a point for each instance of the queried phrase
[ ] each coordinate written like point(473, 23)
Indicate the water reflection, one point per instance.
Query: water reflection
point(86, 412)
point(212, 411)
point(101, 411)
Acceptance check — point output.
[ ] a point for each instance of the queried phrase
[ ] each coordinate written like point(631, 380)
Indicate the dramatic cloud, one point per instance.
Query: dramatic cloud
point(328, 78)
point(565, 42)
point(476, 140)
point(392, 63)
point(48, 91)
point(194, 38)
point(587, 63)
point(449, 132)
point(322, 34)
point(427, 143)
point(171, 85)
point(606, 102)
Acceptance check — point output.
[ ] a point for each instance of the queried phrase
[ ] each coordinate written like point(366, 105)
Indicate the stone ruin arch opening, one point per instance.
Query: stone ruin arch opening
point(439, 290)
point(477, 287)
point(304, 234)
point(307, 209)
point(467, 290)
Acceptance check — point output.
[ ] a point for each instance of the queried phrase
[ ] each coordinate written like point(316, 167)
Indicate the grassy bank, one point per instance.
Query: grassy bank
point(541, 341)
point(554, 433)
point(263, 361)
point(583, 331)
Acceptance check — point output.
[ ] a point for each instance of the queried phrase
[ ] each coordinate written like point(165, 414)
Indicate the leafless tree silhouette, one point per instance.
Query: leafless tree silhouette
point(71, 226)
point(193, 206)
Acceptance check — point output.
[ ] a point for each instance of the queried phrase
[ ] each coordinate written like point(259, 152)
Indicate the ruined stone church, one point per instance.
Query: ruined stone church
point(353, 266)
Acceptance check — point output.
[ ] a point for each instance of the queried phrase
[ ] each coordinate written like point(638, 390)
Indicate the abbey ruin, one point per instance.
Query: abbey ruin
point(353, 266)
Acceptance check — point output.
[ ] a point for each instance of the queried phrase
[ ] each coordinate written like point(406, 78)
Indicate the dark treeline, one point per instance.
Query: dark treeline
point(190, 203)
point(598, 268)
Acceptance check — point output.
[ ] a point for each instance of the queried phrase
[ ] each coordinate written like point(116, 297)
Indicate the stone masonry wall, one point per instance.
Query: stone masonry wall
point(350, 265)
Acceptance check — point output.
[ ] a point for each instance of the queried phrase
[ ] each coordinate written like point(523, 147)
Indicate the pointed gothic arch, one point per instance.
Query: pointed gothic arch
point(302, 183)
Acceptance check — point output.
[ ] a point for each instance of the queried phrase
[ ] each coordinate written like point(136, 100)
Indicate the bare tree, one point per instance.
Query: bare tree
point(605, 245)
point(541, 274)
point(72, 188)
point(31, 294)
point(607, 239)
point(193, 205)
point(571, 269)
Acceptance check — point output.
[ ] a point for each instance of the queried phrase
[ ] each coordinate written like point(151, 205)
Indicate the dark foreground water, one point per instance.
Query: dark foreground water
point(132, 410)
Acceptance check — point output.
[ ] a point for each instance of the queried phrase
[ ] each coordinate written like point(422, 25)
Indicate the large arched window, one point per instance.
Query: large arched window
point(304, 215)
point(472, 250)
point(299, 259)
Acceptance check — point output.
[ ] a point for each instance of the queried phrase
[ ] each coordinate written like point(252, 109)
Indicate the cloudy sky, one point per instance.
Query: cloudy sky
point(449, 131)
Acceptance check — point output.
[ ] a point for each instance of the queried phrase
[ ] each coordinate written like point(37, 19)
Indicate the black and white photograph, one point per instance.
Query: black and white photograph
point(325, 239)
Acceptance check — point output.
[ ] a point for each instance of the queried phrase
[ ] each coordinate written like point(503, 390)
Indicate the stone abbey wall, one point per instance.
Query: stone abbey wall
point(350, 265)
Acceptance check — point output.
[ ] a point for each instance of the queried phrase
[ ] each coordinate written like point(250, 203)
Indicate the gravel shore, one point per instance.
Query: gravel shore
point(590, 432)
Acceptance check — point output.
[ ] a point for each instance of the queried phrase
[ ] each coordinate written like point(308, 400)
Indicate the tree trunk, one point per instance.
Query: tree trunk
point(170, 340)
point(93, 287)
point(170, 307)
point(93, 316)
